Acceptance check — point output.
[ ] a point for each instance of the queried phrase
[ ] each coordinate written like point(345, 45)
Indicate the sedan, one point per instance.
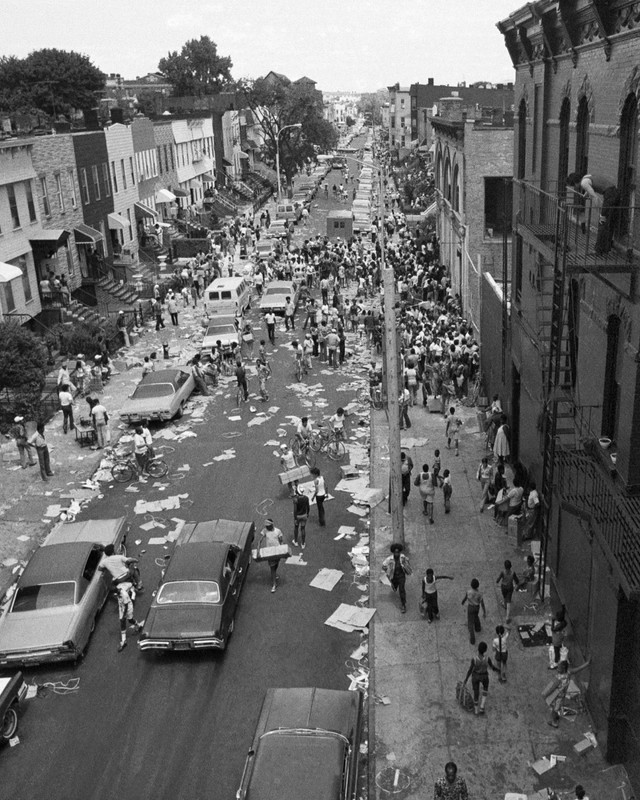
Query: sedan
point(274, 297)
point(159, 396)
point(195, 605)
point(306, 745)
point(58, 597)
point(223, 330)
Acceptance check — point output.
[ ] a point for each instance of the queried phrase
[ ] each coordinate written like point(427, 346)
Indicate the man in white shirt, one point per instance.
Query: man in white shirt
point(270, 321)
point(67, 405)
point(100, 421)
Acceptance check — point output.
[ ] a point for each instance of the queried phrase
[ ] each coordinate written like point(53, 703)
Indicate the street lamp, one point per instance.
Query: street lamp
point(284, 128)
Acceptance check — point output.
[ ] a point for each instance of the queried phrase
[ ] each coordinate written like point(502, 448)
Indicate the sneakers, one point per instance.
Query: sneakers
point(303, 546)
point(403, 609)
point(273, 588)
point(122, 645)
point(294, 543)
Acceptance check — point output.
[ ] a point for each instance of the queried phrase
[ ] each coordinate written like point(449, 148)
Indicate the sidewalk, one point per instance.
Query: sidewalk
point(25, 498)
point(417, 665)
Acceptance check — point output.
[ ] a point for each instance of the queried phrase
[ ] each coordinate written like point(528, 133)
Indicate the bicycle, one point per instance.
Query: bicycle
point(371, 396)
point(126, 467)
point(325, 439)
point(301, 369)
point(301, 448)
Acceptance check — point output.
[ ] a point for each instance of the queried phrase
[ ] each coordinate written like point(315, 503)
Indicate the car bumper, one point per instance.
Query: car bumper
point(33, 659)
point(204, 643)
point(152, 416)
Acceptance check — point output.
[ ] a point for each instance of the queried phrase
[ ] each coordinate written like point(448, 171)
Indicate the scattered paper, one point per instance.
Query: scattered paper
point(350, 618)
point(157, 540)
point(326, 579)
point(358, 511)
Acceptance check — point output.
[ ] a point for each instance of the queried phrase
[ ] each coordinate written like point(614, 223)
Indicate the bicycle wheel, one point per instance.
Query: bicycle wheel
point(298, 372)
point(336, 450)
point(296, 447)
point(156, 467)
point(376, 400)
point(122, 472)
point(363, 396)
point(309, 458)
point(316, 441)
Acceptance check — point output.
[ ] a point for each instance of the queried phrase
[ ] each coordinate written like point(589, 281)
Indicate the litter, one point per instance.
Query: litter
point(350, 618)
point(326, 579)
point(225, 455)
point(360, 512)
point(157, 540)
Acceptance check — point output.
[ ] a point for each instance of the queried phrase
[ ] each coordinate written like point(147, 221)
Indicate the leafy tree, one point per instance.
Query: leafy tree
point(197, 69)
point(51, 81)
point(276, 104)
point(350, 121)
point(23, 360)
point(371, 104)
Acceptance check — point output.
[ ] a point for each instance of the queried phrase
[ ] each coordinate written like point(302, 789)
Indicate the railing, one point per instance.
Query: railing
point(26, 319)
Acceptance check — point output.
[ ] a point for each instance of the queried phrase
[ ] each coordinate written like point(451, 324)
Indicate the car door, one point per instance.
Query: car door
point(92, 593)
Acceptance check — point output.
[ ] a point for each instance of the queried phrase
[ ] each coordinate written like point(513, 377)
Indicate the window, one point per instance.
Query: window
point(612, 379)
point(105, 179)
point(33, 217)
point(498, 201)
point(402, 119)
point(522, 140)
point(130, 225)
point(455, 200)
point(71, 180)
point(160, 157)
point(582, 137)
point(627, 169)
point(13, 205)
point(402, 102)
point(115, 177)
point(563, 147)
point(44, 196)
point(166, 158)
point(173, 163)
point(123, 173)
point(26, 284)
point(9, 299)
point(59, 194)
point(84, 187)
point(536, 111)
point(132, 171)
point(96, 181)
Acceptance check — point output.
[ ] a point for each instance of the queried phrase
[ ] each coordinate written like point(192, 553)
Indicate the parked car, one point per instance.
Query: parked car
point(264, 248)
point(159, 396)
point(274, 296)
point(306, 745)
point(224, 330)
point(58, 597)
point(13, 690)
point(195, 605)
point(279, 228)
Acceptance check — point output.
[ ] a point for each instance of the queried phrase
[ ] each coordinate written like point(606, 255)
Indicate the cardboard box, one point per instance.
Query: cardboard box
point(267, 553)
point(295, 474)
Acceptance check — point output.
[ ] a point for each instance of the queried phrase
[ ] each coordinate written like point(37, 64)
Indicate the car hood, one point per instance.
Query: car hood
point(183, 621)
point(154, 405)
point(226, 339)
point(268, 301)
point(36, 629)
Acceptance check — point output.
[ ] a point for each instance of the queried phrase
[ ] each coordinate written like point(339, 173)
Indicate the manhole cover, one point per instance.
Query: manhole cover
point(392, 780)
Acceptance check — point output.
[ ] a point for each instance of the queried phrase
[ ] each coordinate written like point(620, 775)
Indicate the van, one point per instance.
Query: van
point(226, 296)
point(287, 210)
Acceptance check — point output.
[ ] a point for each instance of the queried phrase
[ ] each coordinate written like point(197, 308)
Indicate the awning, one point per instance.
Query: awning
point(226, 163)
point(84, 234)
point(50, 235)
point(242, 154)
point(117, 222)
point(208, 177)
point(165, 196)
point(142, 210)
point(9, 273)
point(180, 193)
point(431, 211)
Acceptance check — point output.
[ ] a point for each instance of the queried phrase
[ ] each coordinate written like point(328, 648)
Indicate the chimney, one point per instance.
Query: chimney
point(117, 115)
point(451, 109)
point(91, 119)
point(430, 82)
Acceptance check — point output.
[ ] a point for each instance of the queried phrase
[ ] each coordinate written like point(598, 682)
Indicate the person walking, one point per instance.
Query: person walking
point(475, 601)
point(501, 651)
point(453, 424)
point(172, 308)
point(287, 463)
point(406, 468)
point(479, 674)
point(429, 603)
point(100, 420)
point(558, 630)
point(38, 441)
point(158, 313)
point(447, 490)
point(300, 517)
point(424, 482)
point(507, 580)
point(404, 402)
point(18, 433)
point(67, 405)
point(451, 786)
point(241, 378)
point(270, 322)
point(319, 494)
point(501, 449)
point(289, 315)
point(397, 567)
point(332, 343)
point(484, 475)
point(270, 536)
point(121, 323)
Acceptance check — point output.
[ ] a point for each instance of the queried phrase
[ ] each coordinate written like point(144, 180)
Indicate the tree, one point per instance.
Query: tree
point(50, 81)
point(23, 360)
point(197, 69)
point(370, 106)
point(350, 121)
point(276, 104)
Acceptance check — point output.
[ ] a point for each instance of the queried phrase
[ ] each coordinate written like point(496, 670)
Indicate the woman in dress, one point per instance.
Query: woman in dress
point(501, 449)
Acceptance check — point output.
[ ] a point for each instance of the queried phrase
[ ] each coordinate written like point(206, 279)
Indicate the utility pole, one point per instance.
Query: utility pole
point(391, 365)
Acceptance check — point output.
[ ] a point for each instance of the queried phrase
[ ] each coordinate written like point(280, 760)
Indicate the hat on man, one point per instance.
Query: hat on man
point(18, 419)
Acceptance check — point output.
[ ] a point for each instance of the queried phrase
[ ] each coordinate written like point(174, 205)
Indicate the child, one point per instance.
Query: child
point(430, 594)
point(425, 483)
point(485, 473)
point(501, 652)
point(447, 490)
point(437, 465)
point(507, 580)
point(452, 430)
point(529, 578)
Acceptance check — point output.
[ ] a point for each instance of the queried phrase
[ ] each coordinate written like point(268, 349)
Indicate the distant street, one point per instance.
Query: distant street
point(178, 726)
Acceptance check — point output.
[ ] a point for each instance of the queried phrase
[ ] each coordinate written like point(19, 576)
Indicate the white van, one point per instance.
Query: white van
point(286, 209)
point(228, 296)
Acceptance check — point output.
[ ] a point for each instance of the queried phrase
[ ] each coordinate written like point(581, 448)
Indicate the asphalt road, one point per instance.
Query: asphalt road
point(178, 726)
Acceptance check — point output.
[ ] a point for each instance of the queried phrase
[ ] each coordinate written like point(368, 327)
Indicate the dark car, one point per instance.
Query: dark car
point(195, 605)
point(306, 745)
point(12, 692)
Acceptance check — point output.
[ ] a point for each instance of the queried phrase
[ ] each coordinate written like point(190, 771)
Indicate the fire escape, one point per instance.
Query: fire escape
point(577, 472)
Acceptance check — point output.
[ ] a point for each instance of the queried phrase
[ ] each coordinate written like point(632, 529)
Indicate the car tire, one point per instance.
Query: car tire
point(179, 413)
point(9, 724)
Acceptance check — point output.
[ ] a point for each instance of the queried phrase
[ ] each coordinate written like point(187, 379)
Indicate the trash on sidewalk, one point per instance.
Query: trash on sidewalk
point(327, 579)
point(542, 765)
point(350, 618)
point(585, 744)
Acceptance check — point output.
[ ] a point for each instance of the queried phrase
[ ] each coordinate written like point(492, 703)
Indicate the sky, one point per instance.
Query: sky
point(355, 45)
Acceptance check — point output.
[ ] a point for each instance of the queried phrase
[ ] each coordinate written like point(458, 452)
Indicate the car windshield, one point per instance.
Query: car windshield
point(46, 595)
point(188, 592)
point(221, 330)
point(149, 390)
point(277, 290)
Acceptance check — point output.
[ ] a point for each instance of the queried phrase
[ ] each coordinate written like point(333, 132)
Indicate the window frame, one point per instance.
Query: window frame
point(13, 206)
point(72, 186)
point(106, 178)
point(84, 187)
point(114, 176)
point(31, 205)
point(95, 178)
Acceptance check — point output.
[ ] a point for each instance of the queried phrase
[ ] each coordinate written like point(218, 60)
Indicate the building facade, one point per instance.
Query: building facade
point(399, 120)
point(575, 332)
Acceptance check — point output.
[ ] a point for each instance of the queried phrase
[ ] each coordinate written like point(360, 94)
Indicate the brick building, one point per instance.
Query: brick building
point(473, 170)
point(124, 184)
point(575, 322)
point(399, 120)
point(146, 155)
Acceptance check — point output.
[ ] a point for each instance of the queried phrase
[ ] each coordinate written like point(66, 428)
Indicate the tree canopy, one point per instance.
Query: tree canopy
point(50, 81)
point(276, 104)
point(23, 360)
point(197, 69)
point(371, 104)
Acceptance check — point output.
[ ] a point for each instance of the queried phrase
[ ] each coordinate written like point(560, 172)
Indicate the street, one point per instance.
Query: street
point(178, 726)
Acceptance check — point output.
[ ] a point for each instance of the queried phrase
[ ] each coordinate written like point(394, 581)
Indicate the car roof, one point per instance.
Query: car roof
point(288, 285)
point(196, 561)
point(161, 376)
point(230, 531)
point(55, 563)
point(98, 531)
point(324, 709)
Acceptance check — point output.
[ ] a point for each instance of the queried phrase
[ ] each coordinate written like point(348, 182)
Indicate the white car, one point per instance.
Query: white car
point(222, 329)
point(274, 297)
